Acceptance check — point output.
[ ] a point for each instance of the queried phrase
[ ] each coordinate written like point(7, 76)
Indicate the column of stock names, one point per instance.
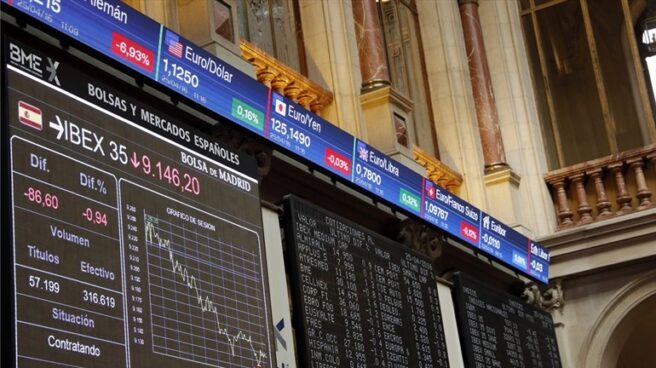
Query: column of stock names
point(137, 241)
point(362, 300)
point(499, 330)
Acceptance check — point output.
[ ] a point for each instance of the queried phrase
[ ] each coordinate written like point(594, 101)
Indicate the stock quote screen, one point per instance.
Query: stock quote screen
point(500, 330)
point(360, 299)
point(137, 240)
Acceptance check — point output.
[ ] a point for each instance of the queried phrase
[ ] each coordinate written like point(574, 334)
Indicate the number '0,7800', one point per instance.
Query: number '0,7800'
point(368, 174)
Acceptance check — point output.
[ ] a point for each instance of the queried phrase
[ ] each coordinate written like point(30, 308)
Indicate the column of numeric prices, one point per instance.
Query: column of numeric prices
point(423, 310)
point(134, 266)
point(69, 297)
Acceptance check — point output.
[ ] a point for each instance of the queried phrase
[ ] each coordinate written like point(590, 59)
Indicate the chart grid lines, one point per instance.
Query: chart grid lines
point(201, 310)
point(205, 348)
point(209, 263)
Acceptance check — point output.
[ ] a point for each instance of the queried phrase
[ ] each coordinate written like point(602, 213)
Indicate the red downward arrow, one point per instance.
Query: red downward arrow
point(134, 160)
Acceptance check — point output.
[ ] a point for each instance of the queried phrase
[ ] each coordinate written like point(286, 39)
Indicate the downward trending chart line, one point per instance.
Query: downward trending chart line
point(204, 302)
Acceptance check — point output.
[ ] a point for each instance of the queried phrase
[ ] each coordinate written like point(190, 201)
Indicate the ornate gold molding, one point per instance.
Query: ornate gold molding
point(285, 80)
point(437, 171)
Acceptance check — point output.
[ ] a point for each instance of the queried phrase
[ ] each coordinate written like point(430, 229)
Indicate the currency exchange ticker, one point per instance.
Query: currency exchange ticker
point(135, 242)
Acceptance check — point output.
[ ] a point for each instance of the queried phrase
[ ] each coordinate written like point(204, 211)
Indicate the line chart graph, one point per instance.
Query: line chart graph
point(205, 293)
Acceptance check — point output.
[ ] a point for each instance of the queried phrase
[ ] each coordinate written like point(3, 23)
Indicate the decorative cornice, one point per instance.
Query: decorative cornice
point(502, 175)
point(421, 238)
point(437, 171)
point(600, 245)
point(386, 95)
point(549, 299)
point(285, 80)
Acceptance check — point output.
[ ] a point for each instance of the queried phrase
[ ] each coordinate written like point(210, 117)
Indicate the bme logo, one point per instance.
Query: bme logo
point(33, 63)
point(281, 107)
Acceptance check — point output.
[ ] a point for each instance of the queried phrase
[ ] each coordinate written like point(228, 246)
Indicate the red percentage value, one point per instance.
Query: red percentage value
point(95, 217)
point(46, 200)
point(337, 161)
point(132, 51)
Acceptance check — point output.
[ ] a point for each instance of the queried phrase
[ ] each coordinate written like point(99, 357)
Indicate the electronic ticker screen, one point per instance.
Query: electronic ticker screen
point(124, 35)
point(137, 241)
point(500, 330)
point(360, 299)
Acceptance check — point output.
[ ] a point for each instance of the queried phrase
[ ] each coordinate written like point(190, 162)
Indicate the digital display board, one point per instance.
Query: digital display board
point(360, 299)
point(500, 330)
point(387, 178)
point(156, 52)
point(137, 240)
point(305, 134)
point(203, 78)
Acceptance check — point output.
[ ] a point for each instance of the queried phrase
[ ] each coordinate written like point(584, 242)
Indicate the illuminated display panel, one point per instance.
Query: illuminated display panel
point(124, 35)
point(500, 330)
point(136, 240)
point(361, 300)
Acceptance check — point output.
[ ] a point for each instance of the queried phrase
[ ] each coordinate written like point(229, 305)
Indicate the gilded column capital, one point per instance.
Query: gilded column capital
point(305, 98)
point(291, 90)
point(285, 80)
point(437, 171)
point(280, 82)
point(266, 76)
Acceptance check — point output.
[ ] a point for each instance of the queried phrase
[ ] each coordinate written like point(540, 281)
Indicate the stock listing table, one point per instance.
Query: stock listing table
point(136, 241)
point(499, 330)
point(361, 300)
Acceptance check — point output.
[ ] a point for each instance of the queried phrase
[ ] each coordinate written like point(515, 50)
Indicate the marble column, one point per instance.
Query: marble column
point(486, 110)
point(369, 37)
